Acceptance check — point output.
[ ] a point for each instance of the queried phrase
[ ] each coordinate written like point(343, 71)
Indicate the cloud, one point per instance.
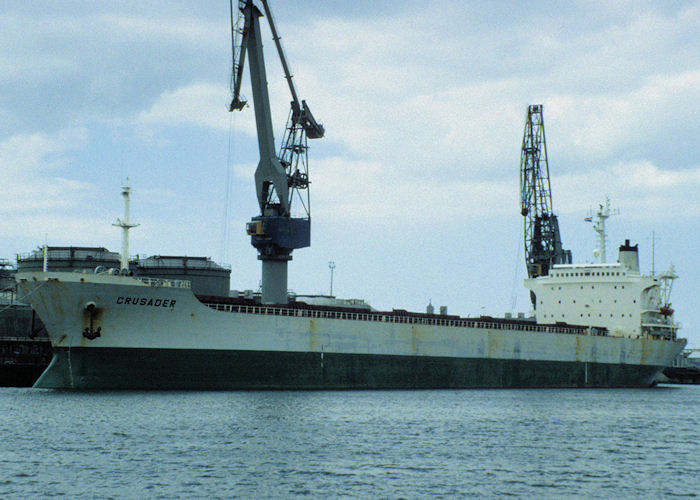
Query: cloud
point(31, 154)
point(29, 164)
point(40, 195)
point(199, 104)
point(590, 128)
point(372, 194)
point(642, 190)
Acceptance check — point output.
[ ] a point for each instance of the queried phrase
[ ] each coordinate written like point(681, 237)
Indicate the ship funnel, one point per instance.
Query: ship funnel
point(629, 256)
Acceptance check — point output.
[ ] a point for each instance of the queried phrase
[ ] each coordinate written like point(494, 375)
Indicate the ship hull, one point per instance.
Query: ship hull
point(163, 369)
point(115, 332)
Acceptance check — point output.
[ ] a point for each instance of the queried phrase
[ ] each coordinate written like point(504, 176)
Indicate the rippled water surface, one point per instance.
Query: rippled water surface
point(391, 444)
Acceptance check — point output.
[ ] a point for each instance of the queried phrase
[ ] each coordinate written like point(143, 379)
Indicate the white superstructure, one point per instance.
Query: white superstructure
point(613, 296)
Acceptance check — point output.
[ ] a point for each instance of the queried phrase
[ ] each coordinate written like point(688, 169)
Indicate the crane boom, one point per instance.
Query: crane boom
point(301, 114)
point(279, 178)
point(543, 247)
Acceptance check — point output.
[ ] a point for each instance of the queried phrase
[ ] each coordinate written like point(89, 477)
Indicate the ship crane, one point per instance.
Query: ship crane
point(543, 247)
point(280, 179)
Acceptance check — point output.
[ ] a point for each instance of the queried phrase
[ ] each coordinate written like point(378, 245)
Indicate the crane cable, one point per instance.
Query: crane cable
point(225, 233)
point(226, 220)
point(516, 275)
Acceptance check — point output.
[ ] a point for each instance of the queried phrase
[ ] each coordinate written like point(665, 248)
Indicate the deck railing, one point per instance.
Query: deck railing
point(396, 318)
point(164, 283)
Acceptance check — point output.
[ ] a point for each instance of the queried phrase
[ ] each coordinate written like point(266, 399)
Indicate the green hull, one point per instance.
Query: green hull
point(112, 368)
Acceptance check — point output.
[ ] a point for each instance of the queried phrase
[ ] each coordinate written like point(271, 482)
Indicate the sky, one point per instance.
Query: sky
point(414, 188)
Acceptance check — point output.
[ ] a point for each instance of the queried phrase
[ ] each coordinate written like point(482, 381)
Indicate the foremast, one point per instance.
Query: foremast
point(125, 224)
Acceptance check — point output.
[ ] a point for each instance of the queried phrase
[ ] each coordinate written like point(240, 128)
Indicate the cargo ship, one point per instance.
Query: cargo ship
point(110, 329)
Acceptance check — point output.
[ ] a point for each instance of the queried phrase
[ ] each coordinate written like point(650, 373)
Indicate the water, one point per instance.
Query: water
point(377, 444)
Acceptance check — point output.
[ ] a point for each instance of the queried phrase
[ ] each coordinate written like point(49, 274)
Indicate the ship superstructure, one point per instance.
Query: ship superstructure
point(615, 296)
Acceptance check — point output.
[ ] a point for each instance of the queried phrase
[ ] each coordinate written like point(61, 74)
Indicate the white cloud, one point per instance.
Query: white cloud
point(642, 190)
point(40, 196)
point(199, 104)
point(603, 125)
point(159, 26)
point(371, 193)
point(28, 154)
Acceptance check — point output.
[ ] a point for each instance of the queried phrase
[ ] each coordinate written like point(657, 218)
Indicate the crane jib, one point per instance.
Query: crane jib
point(282, 179)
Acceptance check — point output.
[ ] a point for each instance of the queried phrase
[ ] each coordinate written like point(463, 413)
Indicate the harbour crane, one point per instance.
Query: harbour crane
point(543, 247)
point(280, 179)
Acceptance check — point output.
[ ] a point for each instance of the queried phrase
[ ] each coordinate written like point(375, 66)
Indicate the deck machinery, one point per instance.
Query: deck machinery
point(543, 247)
point(280, 179)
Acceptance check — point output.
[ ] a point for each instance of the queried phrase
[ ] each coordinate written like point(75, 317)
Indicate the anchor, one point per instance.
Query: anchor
point(90, 332)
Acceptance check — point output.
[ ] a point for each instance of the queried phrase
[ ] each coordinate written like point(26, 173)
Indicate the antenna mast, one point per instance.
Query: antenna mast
point(604, 212)
point(331, 266)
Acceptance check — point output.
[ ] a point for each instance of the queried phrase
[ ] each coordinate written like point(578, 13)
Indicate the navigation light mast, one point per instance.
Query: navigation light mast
point(125, 224)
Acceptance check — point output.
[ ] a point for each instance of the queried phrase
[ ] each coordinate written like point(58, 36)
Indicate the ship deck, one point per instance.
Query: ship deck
point(304, 310)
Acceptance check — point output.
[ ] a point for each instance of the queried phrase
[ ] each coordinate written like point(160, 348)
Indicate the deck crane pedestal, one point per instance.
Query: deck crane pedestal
point(543, 247)
point(280, 179)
